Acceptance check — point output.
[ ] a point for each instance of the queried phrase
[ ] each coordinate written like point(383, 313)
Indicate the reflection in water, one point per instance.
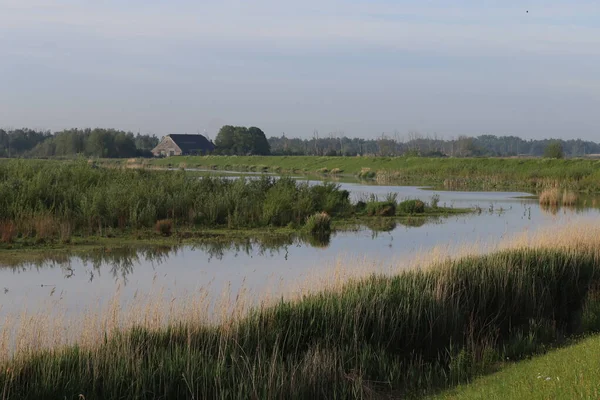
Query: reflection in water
point(121, 260)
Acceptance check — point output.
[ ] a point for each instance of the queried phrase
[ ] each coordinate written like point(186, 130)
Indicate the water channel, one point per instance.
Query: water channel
point(81, 282)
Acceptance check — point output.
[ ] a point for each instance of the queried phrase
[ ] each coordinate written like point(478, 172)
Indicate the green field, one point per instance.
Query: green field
point(452, 173)
point(569, 373)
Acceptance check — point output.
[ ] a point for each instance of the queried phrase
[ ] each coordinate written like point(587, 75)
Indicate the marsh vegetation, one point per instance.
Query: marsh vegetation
point(44, 201)
point(401, 335)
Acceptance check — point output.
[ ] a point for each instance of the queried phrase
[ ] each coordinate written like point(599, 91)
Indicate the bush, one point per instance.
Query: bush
point(381, 208)
point(412, 207)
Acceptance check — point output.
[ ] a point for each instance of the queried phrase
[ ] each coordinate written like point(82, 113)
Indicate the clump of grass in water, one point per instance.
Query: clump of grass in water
point(412, 207)
point(550, 197)
point(383, 335)
point(318, 224)
point(554, 198)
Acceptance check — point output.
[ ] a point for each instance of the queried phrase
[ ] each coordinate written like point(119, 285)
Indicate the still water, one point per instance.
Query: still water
point(82, 282)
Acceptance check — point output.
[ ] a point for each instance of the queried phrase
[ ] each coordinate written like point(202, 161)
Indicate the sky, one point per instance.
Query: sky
point(358, 68)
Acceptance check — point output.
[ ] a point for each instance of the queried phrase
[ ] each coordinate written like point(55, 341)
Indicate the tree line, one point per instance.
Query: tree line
point(108, 143)
point(418, 145)
point(239, 140)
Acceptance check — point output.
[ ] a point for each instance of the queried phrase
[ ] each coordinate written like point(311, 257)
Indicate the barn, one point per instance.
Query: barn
point(183, 145)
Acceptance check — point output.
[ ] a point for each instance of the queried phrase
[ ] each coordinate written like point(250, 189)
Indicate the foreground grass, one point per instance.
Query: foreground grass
point(569, 373)
point(452, 173)
point(399, 336)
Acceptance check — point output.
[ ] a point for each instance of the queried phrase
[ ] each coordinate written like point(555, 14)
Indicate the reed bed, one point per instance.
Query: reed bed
point(365, 335)
point(551, 197)
point(49, 200)
point(554, 197)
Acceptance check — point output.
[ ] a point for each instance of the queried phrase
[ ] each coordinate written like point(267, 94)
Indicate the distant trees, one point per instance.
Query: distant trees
point(17, 142)
point(88, 142)
point(416, 144)
point(554, 150)
point(240, 140)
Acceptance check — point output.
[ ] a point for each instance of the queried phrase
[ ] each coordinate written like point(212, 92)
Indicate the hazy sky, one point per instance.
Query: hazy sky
point(356, 66)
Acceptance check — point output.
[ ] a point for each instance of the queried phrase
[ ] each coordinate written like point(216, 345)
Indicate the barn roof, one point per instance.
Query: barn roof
point(189, 143)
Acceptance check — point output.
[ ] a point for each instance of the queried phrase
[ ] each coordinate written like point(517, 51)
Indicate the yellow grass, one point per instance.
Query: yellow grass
point(569, 198)
point(550, 197)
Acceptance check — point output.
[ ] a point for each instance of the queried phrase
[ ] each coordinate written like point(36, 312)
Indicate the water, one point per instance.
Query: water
point(80, 283)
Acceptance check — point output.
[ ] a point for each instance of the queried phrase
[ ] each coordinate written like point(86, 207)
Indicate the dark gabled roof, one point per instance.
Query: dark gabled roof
point(191, 143)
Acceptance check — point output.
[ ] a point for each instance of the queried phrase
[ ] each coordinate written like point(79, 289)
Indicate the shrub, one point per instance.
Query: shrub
point(318, 224)
point(412, 207)
point(381, 208)
point(164, 227)
point(366, 173)
point(360, 206)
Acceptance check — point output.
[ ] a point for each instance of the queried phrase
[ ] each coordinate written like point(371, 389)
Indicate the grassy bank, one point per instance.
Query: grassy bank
point(569, 373)
point(49, 202)
point(452, 173)
point(383, 336)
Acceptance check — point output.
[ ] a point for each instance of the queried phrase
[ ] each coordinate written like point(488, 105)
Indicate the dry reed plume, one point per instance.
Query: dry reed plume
point(553, 197)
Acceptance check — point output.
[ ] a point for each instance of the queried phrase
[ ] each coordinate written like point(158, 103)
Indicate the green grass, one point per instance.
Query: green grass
point(452, 173)
point(568, 373)
point(400, 336)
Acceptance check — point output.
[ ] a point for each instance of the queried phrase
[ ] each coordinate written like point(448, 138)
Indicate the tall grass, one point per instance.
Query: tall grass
point(45, 200)
point(554, 197)
point(378, 336)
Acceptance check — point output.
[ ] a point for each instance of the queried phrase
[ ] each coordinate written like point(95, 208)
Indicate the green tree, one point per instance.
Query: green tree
point(225, 140)
point(554, 150)
point(240, 140)
point(260, 144)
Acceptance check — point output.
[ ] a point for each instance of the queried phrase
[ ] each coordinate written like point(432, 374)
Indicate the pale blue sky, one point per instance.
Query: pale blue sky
point(358, 67)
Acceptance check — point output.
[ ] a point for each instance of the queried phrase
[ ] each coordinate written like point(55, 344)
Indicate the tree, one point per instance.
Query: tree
point(260, 144)
point(225, 140)
point(554, 150)
point(240, 140)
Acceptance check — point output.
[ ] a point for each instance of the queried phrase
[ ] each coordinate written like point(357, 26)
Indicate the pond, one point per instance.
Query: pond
point(82, 282)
